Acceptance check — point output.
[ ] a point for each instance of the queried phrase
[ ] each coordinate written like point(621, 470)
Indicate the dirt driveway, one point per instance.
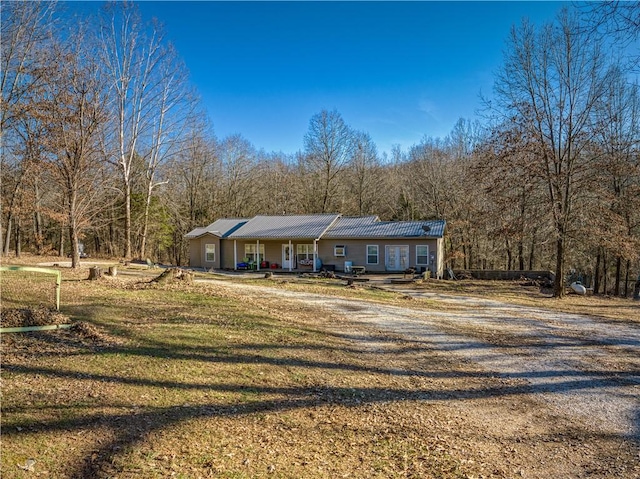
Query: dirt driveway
point(583, 369)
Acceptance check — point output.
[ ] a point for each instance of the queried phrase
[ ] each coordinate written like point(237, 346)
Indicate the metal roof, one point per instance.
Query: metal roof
point(364, 227)
point(326, 226)
point(220, 228)
point(285, 227)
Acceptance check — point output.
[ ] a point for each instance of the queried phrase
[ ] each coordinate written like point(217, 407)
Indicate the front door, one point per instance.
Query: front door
point(286, 256)
point(396, 258)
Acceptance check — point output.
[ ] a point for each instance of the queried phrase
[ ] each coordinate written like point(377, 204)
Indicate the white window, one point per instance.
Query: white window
point(210, 253)
point(305, 251)
point(372, 254)
point(422, 254)
point(250, 253)
point(339, 250)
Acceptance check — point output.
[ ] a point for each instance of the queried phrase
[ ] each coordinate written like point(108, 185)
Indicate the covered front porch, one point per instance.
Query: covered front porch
point(292, 255)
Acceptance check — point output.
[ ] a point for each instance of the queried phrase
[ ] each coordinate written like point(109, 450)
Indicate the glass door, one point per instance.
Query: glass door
point(396, 258)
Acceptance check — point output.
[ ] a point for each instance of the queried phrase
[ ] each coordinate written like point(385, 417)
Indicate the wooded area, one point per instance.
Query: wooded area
point(104, 142)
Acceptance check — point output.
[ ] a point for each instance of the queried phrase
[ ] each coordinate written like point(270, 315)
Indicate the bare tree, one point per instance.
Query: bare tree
point(240, 177)
point(513, 196)
point(616, 20)
point(74, 111)
point(329, 147)
point(134, 59)
point(281, 187)
point(551, 84)
point(26, 30)
point(363, 178)
point(618, 172)
point(171, 110)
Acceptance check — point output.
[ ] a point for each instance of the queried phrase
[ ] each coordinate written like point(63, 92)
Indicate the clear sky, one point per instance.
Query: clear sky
point(397, 70)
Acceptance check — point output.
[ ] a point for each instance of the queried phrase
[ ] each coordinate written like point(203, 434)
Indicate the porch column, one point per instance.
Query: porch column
point(290, 256)
point(315, 253)
point(257, 255)
point(235, 255)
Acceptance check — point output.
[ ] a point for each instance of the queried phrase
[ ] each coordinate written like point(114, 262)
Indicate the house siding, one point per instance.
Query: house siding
point(354, 233)
point(195, 258)
point(197, 252)
point(272, 250)
point(356, 252)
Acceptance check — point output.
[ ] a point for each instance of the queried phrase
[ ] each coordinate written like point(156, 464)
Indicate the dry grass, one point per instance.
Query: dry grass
point(510, 292)
point(513, 292)
point(196, 381)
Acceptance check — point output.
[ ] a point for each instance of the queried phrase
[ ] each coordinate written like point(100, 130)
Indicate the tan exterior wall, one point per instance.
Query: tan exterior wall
point(272, 250)
point(197, 257)
point(356, 252)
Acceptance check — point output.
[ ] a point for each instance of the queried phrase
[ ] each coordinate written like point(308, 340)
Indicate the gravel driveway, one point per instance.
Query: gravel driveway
point(583, 368)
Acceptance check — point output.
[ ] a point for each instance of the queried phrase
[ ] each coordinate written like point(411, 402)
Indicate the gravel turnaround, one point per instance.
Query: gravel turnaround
point(582, 368)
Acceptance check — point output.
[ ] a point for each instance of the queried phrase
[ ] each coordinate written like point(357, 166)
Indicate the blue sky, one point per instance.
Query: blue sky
point(397, 70)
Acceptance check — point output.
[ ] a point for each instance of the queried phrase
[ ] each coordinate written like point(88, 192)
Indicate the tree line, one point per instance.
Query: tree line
point(104, 143)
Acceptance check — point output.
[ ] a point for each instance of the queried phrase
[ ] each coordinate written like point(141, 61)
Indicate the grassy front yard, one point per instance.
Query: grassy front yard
point(194, 381)
point(200, 380)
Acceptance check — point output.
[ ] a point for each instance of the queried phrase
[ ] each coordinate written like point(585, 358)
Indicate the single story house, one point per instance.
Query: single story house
point(319, 241)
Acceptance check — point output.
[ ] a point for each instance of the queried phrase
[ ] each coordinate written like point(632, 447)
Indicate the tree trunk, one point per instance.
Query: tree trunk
point(7, 238)
point(558, 286)
point(521, 255)
point(465, 257)
point(626, 279)
point(37, 222)
point(73, 232)
point(75, 256)
point(509, 255)
point(604, 273)
point(532, 252)
point(145, 225)
point(127, 220)
point(18, 244)
point(38, 236)
point(110, 247)
point(596, 279)
point(452, 263)
point(61, 249)
point(616, 287)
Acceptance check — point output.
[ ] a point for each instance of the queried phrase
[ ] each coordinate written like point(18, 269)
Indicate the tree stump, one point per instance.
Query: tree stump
point(95, 273)
point(186, 276)
point(113, 270)
point(166, 276)
point(268, 275)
